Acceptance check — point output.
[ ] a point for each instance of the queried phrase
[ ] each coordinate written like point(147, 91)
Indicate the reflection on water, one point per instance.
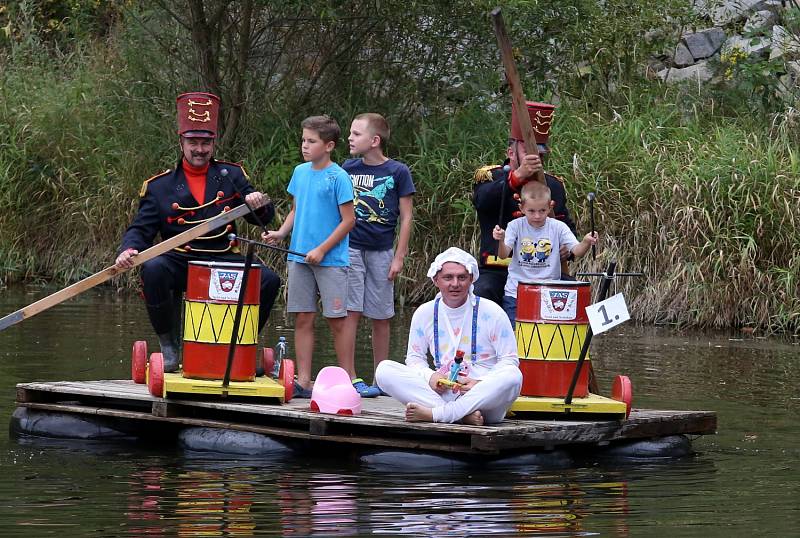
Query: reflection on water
point(745, 479)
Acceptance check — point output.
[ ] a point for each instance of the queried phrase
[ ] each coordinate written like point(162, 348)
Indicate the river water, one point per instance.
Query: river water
point(742, 482)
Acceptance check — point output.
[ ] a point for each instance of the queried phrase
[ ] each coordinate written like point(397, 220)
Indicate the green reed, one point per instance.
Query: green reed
point(704, 204)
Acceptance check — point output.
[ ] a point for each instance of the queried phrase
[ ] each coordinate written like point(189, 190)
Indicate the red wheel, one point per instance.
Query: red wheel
point(155, 378)
point(139, 362)
point(286, 378)
point(268, 361)
point(622, 391)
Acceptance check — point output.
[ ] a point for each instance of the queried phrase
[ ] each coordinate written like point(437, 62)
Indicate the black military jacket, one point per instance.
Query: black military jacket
point(487, 195)
point(167, 208)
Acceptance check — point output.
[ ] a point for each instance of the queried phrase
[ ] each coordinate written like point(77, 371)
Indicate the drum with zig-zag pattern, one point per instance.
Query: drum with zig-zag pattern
point(212, 291)
point(550, 328)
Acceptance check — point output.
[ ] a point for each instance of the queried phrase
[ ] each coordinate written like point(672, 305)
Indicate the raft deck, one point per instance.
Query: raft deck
point(380, 425)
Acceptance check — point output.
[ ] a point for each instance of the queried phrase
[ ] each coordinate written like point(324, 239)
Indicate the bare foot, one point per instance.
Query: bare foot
point(473, 419)
point(418, 413)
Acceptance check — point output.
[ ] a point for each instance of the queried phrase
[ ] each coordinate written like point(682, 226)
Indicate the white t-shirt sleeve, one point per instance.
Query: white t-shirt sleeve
point(512, 231)
point(565, 235)
point(505, 343)
point(419, 341)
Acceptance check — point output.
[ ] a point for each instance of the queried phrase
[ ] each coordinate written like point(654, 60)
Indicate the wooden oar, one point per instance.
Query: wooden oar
point(517, 96)
point(110, 272)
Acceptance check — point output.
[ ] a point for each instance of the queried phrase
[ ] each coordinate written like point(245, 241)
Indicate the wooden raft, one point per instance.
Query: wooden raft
point(380, 424)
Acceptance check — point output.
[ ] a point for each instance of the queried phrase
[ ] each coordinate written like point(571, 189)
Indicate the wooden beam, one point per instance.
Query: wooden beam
point(517, 95)
point(110, 272)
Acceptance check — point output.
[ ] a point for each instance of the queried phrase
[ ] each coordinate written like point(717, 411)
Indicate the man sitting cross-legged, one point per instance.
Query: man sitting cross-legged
point(456, 320)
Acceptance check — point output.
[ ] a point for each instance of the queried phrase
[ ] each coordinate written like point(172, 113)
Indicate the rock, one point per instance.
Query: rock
point(760, 20)
point(705, 43)
point(699, 72)
point(224, 441)
point(784, 44)
point(682, 56)
point(756, 46)
point(63, 425)
point(793, 68)
point(731, 11)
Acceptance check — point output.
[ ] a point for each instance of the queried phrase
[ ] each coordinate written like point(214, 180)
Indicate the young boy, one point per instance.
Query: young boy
point(383, 195)
point(321, 216)
point(536, 240)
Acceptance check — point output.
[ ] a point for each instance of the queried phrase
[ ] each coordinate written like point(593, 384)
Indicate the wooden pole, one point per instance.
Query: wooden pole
point(517, 95)
point(110, 272)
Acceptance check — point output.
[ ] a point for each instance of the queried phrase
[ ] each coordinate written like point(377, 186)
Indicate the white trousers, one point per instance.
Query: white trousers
point(492, 396)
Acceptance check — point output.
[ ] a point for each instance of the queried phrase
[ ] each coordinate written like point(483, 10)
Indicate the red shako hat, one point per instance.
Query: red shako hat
point(541, 115)
point(198, 114)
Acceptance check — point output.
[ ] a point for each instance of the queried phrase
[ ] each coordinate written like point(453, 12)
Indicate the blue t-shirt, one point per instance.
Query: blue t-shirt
point(317, 197)
point(378, 190)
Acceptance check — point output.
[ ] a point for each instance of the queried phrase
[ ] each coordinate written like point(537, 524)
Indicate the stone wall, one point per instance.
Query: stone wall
point(737, 30)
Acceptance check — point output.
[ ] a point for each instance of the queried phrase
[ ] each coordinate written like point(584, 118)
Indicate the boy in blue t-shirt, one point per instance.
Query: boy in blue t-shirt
point(383, 196)
point(320, 219)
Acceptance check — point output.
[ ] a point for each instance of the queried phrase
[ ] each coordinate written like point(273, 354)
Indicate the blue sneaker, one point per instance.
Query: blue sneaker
point(300, 392)
point(365, 390)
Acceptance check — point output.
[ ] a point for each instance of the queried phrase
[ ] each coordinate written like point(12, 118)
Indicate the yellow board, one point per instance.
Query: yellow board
point(550, 341)
point(262, 387)
point(593, 403)
point(494, 261)
point(212, 323)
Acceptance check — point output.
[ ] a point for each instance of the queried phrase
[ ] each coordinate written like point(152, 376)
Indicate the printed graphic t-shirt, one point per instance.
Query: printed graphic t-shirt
point(377, 192)
point(317, 196)
point(536, 251)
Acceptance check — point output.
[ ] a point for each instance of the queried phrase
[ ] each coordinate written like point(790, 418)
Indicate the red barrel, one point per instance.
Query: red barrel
point(212, 292)
point(550, 328)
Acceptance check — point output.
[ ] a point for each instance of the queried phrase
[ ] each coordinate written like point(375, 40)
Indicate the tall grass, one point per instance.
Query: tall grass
point(704, 204)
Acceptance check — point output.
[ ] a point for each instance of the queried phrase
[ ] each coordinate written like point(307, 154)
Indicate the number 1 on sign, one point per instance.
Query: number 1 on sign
point(607, 314)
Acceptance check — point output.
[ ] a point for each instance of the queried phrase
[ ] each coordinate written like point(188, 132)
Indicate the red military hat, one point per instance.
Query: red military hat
point(541, 115)
point(198, 114)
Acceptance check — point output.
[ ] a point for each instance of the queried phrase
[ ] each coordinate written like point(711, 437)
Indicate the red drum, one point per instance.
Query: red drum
point(551, 327)
point(212, 291)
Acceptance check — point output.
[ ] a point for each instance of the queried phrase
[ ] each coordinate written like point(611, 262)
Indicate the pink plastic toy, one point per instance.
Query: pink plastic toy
point(334, 393)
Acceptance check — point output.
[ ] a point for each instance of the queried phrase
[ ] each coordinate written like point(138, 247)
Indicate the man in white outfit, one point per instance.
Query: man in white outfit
point(456, 321)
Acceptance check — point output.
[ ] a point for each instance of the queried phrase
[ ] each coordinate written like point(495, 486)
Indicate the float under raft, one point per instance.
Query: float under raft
point(380, 424)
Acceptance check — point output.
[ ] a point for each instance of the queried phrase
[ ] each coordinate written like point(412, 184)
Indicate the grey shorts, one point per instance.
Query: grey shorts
point(309, 283)
point(369, 289)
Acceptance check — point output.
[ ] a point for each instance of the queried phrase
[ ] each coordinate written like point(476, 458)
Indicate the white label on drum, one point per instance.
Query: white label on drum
point(225, 284)
point(559, 304)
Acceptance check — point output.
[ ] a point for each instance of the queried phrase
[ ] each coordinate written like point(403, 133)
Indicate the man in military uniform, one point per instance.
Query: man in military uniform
point(496, 191)
point(197, 190)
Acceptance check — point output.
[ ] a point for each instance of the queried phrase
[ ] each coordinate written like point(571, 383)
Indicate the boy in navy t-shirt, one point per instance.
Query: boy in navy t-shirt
point(383, 192)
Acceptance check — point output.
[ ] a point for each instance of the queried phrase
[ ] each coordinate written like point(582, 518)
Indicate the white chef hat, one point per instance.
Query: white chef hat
point(454, 254)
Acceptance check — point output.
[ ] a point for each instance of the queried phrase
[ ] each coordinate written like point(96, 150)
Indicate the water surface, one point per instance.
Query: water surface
point(742, 482)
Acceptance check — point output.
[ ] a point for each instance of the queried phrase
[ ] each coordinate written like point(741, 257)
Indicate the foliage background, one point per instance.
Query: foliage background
point(696, 186)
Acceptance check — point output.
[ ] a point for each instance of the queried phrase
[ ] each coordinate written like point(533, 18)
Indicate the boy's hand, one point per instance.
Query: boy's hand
point(315, 256)
point(396, 268)
point(591, 238)
point(498, 233)
point(272, 237)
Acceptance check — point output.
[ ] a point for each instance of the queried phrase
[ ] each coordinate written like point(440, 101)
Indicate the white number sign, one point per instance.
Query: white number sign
point(607, 314)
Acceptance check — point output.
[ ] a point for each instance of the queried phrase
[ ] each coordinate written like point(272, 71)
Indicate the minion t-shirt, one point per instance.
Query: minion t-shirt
point(535, 253)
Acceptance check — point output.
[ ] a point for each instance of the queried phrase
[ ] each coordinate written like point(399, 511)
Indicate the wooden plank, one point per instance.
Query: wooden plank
point(411, 444)
point(514, 84)
point(112, 271)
